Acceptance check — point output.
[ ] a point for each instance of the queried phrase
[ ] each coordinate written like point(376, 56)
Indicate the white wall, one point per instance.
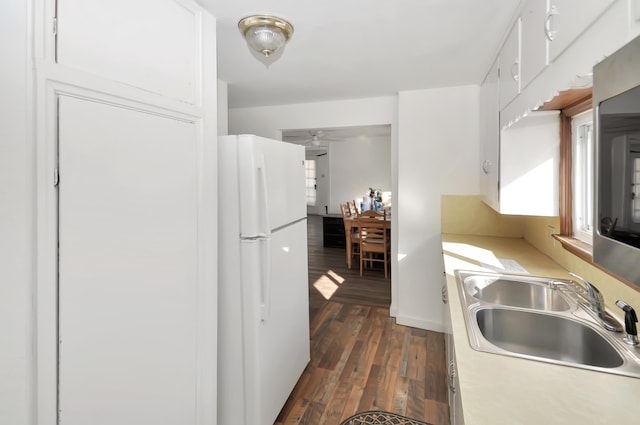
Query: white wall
point(437, 154)
point(269, 121)
point(17, 250)
point(357, 165)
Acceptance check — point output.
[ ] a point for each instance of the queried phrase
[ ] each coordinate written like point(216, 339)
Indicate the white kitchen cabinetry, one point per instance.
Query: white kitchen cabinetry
point(128, 243)
point(453, 383)
point(634, 18)
point(519, 170)
point(566, 20)
point(145, 43)
point(534, 55)
point(529, 165)
point(509, 64)
point(126, 190)
point(489, 138)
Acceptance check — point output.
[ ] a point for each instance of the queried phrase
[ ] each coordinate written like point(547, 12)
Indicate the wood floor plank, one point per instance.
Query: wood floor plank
point(368, 400)
point(334, 411)
point(436, 412)
point(351, 407)
point(400, 394)
point(415, 399)
point(436, 368)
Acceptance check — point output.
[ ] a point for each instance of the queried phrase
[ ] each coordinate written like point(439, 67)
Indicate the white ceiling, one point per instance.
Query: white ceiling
point(343, 49)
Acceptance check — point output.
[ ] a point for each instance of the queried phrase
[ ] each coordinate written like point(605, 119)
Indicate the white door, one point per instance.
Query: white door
point(275, 320)
point(272, 184)
point(127, 266)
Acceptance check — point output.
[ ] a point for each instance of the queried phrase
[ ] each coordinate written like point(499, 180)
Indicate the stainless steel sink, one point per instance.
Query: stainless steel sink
point(542, 319)
point(546, 336)
point(525, 292)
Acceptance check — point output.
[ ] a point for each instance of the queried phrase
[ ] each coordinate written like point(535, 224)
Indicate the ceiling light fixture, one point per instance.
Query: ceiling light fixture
point(265, 35)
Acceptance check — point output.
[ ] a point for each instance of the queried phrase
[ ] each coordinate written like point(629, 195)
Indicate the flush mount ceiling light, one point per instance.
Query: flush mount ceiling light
point(265, 34)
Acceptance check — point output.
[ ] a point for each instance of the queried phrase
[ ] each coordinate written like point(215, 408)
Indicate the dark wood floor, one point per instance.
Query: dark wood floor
point(360, 358)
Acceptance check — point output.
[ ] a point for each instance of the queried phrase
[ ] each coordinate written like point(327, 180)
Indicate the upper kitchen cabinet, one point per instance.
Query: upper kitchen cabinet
point(529, 165)
point(566, 20)
point(634, 18)
point(489, 138)
point(509, 64)
point(535, 50)
point(150, 44)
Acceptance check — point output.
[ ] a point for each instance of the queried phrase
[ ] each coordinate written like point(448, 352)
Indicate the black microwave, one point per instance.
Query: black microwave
point(616, 103)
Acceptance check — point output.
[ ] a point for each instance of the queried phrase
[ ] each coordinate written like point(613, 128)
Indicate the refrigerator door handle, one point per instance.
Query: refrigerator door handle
point(264, 210)
point(265, 302)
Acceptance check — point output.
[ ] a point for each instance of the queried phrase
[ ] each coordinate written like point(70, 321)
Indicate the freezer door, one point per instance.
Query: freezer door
point(275, 320)
point(272, 184)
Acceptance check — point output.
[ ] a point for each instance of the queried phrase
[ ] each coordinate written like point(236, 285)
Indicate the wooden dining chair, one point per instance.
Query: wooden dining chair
point(374, 242)
point(354, 208)
point(352, 236)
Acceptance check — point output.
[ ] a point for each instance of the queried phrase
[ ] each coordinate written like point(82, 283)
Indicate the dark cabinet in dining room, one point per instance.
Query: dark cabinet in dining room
point(333, 232)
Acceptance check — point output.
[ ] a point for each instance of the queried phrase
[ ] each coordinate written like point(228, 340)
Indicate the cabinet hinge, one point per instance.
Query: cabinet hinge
point(56, 177)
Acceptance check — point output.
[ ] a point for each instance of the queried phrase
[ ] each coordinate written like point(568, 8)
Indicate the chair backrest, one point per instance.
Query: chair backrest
point(354, 209)
point(345, 210)
point(373, 230)
point(373, 214)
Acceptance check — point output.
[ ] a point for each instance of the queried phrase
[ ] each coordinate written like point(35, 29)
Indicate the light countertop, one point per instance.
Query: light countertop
point(498, 389)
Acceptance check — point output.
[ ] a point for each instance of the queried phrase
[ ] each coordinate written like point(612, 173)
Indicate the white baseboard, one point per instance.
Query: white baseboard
point(393, 310)
point(420, 323)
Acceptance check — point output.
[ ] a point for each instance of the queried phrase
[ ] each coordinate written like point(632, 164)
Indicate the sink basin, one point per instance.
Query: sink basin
point(525, 292)
point(540, 318)
point(546, 336)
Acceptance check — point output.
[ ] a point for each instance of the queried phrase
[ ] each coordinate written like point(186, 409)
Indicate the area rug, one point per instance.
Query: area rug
point(380, 418)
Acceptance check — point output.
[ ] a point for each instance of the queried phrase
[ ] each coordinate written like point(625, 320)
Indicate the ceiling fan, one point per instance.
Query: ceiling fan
point(317, 139)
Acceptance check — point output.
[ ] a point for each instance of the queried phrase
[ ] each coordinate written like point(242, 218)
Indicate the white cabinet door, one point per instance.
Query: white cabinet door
point(568, 19)
point(509, 60)
point(534, 53)
point(151, 44)
point(634, 18)
point(128, 246)
point(529, 171)
point(489, 138)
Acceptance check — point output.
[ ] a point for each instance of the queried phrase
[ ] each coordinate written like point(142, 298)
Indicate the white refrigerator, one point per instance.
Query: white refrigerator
point(263, 298)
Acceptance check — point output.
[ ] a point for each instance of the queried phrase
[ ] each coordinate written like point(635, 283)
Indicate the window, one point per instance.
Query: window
point(582, 193)
point(576, 170)
point(310, 179)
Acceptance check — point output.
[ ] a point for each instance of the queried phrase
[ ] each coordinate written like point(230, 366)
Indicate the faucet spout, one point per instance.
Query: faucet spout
point(596, 303)
point(595, 296)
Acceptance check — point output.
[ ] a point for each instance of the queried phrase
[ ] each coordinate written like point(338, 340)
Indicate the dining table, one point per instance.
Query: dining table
point(351, 223)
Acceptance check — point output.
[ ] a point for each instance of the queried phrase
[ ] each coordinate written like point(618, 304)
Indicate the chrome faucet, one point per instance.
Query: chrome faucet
point(597, 306)
point(553, 284)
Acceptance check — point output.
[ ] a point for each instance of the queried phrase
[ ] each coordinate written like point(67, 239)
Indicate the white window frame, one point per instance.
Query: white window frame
point(582, 145)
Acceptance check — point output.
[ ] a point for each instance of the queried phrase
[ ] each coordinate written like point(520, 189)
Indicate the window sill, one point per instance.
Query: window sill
point(584, 251)
point(577, 247)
